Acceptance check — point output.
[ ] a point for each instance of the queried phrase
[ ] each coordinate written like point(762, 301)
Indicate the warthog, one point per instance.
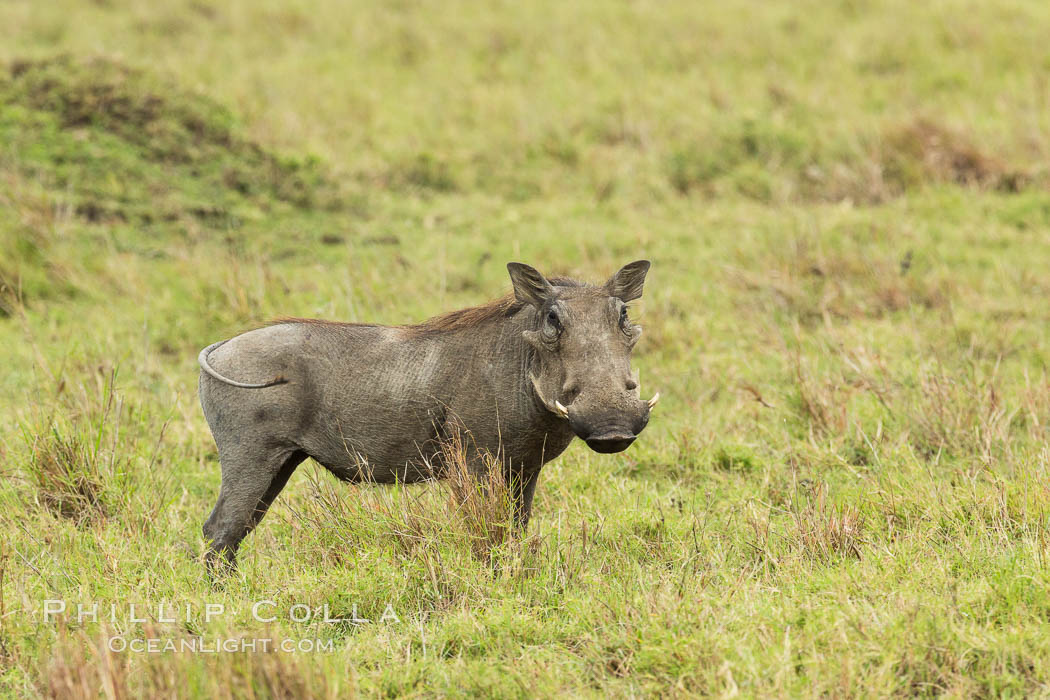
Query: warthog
point(518, 378)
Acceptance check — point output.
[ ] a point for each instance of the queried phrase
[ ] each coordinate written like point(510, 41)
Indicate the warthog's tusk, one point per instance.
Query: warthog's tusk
point(652, 401)
point(561, 410)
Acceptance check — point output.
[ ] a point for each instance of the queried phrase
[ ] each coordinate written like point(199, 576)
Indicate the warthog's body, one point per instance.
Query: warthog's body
point(374, 402)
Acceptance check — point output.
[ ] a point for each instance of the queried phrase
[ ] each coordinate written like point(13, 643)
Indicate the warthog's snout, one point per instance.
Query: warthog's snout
point(611, 433)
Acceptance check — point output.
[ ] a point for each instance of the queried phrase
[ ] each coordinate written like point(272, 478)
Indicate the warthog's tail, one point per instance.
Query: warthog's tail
point(210, 371)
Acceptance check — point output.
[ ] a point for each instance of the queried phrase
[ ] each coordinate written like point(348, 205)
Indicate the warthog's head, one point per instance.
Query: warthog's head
point(583, 340)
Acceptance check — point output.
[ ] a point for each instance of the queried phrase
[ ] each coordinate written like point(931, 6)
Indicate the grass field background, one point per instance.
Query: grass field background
point(844, 490)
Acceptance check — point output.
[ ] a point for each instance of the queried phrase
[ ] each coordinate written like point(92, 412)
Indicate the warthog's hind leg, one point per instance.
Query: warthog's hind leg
point(250, 483)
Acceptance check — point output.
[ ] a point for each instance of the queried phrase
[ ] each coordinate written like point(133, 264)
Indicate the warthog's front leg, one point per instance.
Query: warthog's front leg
point(522, 489)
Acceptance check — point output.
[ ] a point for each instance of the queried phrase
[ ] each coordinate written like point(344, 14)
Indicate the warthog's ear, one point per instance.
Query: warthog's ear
point(530, 287)
point(626, 284)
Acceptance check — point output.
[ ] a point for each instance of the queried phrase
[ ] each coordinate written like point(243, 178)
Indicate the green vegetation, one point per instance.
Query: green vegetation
point(844, 490)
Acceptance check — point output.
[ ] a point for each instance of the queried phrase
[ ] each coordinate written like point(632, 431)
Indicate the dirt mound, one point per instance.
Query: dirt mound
point(773, 162)
point(129, 146)
point(926, 151)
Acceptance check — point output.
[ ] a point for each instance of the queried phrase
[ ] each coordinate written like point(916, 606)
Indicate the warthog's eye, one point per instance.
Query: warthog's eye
point(624, 323)
point(553, 321)
point(552, 328)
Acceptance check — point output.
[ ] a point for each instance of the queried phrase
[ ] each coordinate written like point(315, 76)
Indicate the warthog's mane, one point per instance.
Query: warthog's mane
point(460, 319)
point(474, 316)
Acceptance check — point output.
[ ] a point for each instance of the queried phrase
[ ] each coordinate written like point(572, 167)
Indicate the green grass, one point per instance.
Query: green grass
point(844, 490)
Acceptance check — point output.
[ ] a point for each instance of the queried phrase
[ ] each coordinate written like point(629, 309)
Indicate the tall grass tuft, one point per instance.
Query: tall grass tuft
point(827, 532)
point(478, 503)
point(468, 515)
point(69, 476)
point(78, 462)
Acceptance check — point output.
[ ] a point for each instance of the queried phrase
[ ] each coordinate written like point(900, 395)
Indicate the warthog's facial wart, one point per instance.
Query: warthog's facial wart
point(583, 337)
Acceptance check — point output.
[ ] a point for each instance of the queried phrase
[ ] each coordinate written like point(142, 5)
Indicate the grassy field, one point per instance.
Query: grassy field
point(845, 490)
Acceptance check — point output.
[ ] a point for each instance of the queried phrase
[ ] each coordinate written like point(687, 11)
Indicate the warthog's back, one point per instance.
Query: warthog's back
point(352, 395)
